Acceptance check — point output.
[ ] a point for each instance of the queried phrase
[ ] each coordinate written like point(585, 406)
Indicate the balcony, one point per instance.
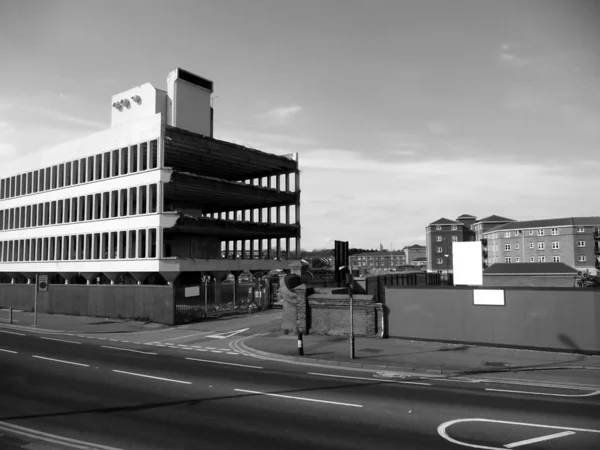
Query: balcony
point(597, 233)
point(597, 249)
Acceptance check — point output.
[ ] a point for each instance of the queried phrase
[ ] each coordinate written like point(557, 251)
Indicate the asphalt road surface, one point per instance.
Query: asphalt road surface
point(129, 396)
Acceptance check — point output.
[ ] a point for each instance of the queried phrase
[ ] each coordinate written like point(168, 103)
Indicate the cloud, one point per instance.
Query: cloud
point(8, 135)
point(510, 55)
point(437, 127)
point(281, 115)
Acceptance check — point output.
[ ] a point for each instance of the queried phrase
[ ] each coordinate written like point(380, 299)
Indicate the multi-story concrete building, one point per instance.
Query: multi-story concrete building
point(153, 194)
point(384, 260)
point(574, 241)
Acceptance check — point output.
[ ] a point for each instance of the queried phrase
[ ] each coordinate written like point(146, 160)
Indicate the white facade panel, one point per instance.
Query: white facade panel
point(467, 263)
point(489, 297)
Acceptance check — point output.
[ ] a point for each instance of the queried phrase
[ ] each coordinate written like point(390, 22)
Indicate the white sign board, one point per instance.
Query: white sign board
point(489, 297)
point(42, 283)
point(467, 263)
point(192, 291)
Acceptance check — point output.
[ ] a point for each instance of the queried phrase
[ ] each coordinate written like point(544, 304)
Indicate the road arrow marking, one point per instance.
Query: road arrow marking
point(227, 334)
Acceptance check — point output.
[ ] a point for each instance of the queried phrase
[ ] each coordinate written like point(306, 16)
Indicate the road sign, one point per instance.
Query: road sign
point(42, 283)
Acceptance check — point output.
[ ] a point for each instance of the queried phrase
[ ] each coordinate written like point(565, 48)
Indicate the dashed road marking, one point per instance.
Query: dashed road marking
point(12, 332)
point(385, 380)
point(549, 394)
point(128, 350)
point(150, 376)
point(60, 340)
point(539, 439)
point(61, 361)
point(299, 398)
point(223, 363)
point(7, 351)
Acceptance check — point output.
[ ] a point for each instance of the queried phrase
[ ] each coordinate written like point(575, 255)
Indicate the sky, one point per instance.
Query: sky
point(401, 111)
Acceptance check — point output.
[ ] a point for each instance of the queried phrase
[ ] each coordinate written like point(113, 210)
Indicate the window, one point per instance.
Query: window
point(122, 244)
point(75, 177)
point(517, 259)
point(98, 167)
point(153, 193)
point(454, 239)
point(530, 232)
point(67, 210)
point(508, 259)
point(540, 232)
point(90, 168)
point(152, 242)
point(61, 175)
point(132, 243)
point(65, 248)
point(113, 244)
point(123, 203)
point(507, 234)
point(531, 245)
point(454, 228)
point(438, 227)
point(104, 246)
point(153, 154)
point(96, 246)
point(143, 200)
point(580, 229)
point(82, 170)
point(105, 205)
point(106, 165)
point(440, 261)
point(556, 259)
point(88, 246)
point(143, 156)
point(581, 258)
point(541, 246)
point(554, 231)
point(97, 205)
point(133, 159)
point(438, 239)
point(59, 211)
point(506, 246)
point(580, 243)
point(516, 246)
point(555, 246)
point(541, 259)
point(517, 232)
point(36, 176)
point(114, 203)
point(124, 159)
point(132, 202)
point(141, 243)
point(54, 177)
point(115, 163)
point(439, 249)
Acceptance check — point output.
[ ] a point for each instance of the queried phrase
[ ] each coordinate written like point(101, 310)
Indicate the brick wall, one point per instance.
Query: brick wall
point(528, 280)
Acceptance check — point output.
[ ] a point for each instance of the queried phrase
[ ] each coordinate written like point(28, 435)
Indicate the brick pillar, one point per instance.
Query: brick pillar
point(301, 309)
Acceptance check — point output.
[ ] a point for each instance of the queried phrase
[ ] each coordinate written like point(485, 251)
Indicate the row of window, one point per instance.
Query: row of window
point(130, 244)
point(508, 259)
point(118, 203)
point(135, 158)
point(452, 227)
point(439, 238)
point(540, 232)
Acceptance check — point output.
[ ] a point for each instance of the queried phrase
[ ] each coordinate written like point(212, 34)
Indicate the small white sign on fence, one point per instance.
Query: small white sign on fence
point(192, 291)
point(490, 297)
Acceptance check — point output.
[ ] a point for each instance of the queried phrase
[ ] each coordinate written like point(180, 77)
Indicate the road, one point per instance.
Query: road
point(136, 396)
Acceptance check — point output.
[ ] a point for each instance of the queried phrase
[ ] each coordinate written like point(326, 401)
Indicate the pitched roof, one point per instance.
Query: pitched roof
point(494, 218)
point(420, 258)
point(529, 269)
point(541, 223)
point(444, 221)
point(466, 216)
point(413, 247)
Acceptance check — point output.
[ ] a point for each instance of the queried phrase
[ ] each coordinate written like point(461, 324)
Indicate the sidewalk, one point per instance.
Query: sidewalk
point(77, 324)
point(436, 358)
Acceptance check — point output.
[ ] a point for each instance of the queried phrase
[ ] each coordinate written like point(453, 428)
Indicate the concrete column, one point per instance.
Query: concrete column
point(287, 248)
point(160, 188)
point(278, 248)
point(287, 182)
point(260, 248)
point(159, 242)
point(252, 249)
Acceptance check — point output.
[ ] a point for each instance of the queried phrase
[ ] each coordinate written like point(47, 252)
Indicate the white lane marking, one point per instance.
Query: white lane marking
point(456, 381)
point(549, 394)
point(385, 380)
point(224, 363)
point(7, 351)
point(128, 350)
point(210, 348)
point(299, 398)
point(227, 334)
point(232, 353)
point(216, 351)
point(442, 430)
point(150, 376)
point(102, 339)
point(60, 340)
point(186, 336)
point(114, 340)
point(61, 361)
point(540, 439)
point(12, 332)
point(201, 350)
point(53, 438)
